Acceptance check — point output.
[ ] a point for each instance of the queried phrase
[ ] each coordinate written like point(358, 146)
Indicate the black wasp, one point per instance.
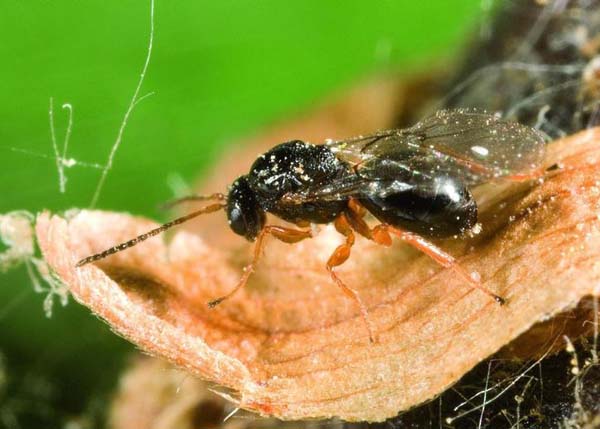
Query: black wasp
point(416, 182)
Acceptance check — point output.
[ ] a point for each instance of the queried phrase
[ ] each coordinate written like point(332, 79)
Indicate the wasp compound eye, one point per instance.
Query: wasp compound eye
point(243, 212)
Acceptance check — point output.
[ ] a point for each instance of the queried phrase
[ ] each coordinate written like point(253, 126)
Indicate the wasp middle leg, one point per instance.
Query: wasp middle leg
point(337, 258)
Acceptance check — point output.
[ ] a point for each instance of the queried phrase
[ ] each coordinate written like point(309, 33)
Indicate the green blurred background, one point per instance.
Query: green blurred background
point(219, 70)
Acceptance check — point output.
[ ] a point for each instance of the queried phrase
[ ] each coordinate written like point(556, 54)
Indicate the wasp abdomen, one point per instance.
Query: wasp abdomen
point(441, 208)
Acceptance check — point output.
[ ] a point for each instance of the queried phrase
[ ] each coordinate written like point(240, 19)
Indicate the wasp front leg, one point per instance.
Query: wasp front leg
point(287, 235)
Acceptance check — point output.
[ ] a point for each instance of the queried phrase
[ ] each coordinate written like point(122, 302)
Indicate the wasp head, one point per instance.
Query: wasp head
point(245, 216)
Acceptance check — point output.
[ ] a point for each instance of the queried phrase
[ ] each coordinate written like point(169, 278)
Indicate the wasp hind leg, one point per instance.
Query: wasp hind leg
point(381, 234)
point(287, 235)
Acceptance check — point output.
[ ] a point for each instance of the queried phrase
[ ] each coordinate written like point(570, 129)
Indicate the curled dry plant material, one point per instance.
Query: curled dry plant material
point(291, 345)
point(153, 395)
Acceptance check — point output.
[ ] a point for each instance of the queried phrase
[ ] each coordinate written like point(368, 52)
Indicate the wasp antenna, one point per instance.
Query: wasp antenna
point(127, 244)
point(172, 203)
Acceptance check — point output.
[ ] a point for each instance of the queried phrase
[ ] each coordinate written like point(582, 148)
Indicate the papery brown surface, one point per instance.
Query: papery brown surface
point(291, 345)
point(154, 395)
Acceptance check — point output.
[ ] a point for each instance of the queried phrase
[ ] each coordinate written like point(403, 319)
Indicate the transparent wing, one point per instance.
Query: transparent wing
point(335, 190)
point(475, 146)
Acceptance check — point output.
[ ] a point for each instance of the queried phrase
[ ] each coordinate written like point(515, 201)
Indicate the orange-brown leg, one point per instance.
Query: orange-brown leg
point(287, 235)
point(378, 234)
point(337, 258)
point(381, 234)
point(441, 257)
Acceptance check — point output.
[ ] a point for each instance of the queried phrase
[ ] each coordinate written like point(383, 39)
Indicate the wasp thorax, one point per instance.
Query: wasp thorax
point(292, 170)
point(292, 167)
point(243, 212)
